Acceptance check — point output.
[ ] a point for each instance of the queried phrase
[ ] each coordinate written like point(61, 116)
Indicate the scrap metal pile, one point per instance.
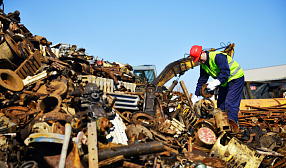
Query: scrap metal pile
point(62, 108)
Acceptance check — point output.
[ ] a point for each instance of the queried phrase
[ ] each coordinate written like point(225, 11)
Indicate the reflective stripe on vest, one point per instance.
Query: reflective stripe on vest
point(235, 69)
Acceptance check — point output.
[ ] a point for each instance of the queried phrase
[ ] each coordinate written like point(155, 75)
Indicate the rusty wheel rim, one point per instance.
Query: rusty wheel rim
point(127, 114)
point(144, 119)
point(205, 92)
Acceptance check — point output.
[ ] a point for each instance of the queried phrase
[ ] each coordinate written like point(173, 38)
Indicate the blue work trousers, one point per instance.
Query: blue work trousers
point(229, 97)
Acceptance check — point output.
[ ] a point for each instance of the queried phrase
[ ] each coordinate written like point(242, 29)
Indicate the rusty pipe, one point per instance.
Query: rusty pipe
point(185, 90)
point(130, 150)
point(246, 116)
point(133, 149)
point(131, 165)
point(110, 161)
point(65, 145)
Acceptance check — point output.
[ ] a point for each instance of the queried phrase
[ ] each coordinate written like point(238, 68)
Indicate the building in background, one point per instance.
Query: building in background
point(264, 83)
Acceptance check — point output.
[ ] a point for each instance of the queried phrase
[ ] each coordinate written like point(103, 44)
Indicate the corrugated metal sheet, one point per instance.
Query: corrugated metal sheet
point(107, 85)
point(266, 73)
point(117, 133)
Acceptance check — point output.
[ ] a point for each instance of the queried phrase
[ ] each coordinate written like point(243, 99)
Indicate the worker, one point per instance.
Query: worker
point(228, 77)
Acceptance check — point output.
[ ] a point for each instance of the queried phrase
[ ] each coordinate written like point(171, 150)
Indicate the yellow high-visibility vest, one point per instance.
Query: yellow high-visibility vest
point(235, 69)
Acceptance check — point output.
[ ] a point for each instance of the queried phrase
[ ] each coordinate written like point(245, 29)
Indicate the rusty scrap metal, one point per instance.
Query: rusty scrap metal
point(131, 165)
point(7, 126)
point(205, 137)
point(139, 132)
point(9, 80)
point(20, 115)
point(111, 161)
point(53, 88)
point(235, 153)
point(204, 107)
point(160, 117)
point(103, 124)
point(204, 92)
point(259, 115)
point(216, 162)
point(132, 150)
point(190, 116)
point(31, 65)
point(222, 121)
point(51, 103)
point(44, 88)
point(122, 116)
point(127, 114)
point(144, 119)
point(6, 56)
point(12, 44)
point(186, 93)
point(52, 158)
point(234, 126)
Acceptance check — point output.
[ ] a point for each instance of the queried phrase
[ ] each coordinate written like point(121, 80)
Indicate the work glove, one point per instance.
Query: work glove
point(195, 99)
point(213, 84)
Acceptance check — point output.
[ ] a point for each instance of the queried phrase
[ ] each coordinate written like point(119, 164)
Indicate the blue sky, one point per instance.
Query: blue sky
point(162, 31)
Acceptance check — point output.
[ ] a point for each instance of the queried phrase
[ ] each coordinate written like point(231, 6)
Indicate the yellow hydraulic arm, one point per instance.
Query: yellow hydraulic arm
point(174, 68)
point(183, 65)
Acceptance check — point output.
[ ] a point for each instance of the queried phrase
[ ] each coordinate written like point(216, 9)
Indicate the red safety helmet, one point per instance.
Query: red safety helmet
point(99, 63)
point(195, 52)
